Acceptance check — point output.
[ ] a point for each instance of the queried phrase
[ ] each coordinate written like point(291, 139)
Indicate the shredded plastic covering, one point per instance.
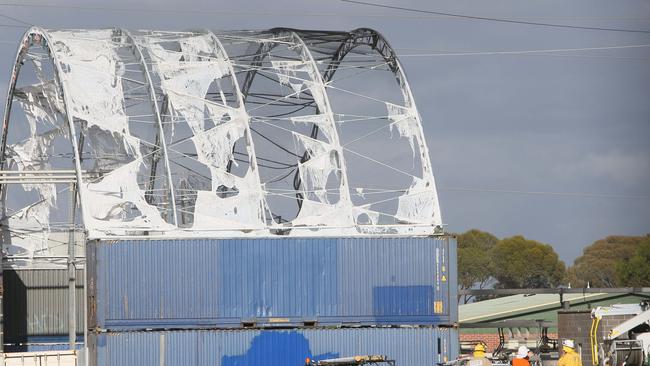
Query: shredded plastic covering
point(216, 134)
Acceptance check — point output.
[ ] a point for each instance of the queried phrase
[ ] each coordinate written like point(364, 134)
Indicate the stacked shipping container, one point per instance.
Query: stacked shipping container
point(216, 301)
point(36, 310)
point(273, 347)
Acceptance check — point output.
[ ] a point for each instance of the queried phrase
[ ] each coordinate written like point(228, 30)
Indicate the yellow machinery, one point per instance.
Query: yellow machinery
point(628, 343)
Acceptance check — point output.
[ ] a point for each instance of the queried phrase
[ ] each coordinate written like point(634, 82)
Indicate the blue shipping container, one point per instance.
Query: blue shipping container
point(407, 346)
point(212, 283)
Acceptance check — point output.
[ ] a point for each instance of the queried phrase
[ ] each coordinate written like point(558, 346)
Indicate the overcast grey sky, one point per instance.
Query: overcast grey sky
point(552, 146)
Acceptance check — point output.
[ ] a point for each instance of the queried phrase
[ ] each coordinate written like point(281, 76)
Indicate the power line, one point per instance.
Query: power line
point(542, 193)
point(15, 19)
point(248, 13)
point(444, 52)
point(622, 58)
point(501, 20)
point(522, 52)
point(13, 26)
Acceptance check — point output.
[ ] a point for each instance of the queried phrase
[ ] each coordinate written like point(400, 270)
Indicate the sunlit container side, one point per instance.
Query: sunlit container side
point(142, 284)
point(36, 304)
point(289, 347)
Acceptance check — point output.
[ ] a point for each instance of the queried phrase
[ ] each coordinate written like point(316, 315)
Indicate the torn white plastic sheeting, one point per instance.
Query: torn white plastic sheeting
point(314, 213)
point(324, 124)
point(186, 80)
point(186, 85)
point(186, 77)
point(240, 209)
point(41, 103)
point(38, 68)
point(360, 211)
point(191, 66)
point(287, 71)
point(92, 79)
point(118, 202)
point(29, 230)
point(200, 47)
point(214, 147)
point(33, 155)
point(34, 152)
point(92, 73)
point(323, 160)
point(406, 122)
point(191, 47)
point(418, 205)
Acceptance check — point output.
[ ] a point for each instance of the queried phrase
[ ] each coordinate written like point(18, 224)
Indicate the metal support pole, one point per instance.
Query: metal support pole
point(72, 272)
point(86, 349)
point(2, 316)
point(564, 304)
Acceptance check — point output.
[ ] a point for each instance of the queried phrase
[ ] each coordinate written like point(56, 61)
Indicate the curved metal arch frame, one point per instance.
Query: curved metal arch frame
point(362, 36)
point(161, 131)
point(374, 39)
point(221, 54)
point(356, 38)
point(260, 55)
point(321, 84)
point(345, 193)
point(242, 108)
point(23, 48)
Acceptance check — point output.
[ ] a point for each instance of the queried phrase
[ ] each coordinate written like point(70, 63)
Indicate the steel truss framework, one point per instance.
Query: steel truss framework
point(227, 134)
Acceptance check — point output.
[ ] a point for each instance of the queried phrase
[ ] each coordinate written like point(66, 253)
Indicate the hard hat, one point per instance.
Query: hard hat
point(522, 352)
point(569, 343)
point(480, 347)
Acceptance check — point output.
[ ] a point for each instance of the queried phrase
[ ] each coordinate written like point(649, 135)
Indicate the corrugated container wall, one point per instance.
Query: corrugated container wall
point(408, 346)
point(138, 284)
point(37, 303)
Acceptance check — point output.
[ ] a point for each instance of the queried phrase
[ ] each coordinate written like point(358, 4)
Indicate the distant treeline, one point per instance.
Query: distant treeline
point(485, 261)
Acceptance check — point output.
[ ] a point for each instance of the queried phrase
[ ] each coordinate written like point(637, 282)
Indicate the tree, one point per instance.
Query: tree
point(521, 263)
point(475, 259)
point(636, 271)
point(598, 263)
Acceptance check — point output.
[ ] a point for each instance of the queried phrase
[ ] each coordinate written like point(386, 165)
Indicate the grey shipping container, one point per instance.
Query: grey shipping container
point(36, 303)
point(44, 343)
point(181, 284)
point(288, 347)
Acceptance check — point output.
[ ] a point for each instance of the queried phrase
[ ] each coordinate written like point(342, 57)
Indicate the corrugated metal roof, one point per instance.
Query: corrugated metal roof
point(509, 306)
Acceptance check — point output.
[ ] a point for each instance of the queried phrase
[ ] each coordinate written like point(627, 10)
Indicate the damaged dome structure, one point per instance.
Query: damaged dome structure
point(113, 133)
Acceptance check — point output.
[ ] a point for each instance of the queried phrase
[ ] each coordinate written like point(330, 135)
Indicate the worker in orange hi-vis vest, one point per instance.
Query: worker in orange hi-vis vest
point(523, 357)
point(570, 356)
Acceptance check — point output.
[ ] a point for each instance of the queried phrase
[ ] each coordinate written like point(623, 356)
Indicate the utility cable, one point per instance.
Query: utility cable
point(542, 193)
point(501, 20)
point(13, 26)
point(479, 53)
point(283, 14)
point(15, 19)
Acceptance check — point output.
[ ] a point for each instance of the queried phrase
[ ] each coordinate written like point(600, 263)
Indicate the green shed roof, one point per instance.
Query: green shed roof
point(516, 305)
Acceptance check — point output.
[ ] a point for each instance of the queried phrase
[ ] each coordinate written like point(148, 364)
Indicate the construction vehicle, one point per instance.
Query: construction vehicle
point(628, 343)
point(352, 361)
